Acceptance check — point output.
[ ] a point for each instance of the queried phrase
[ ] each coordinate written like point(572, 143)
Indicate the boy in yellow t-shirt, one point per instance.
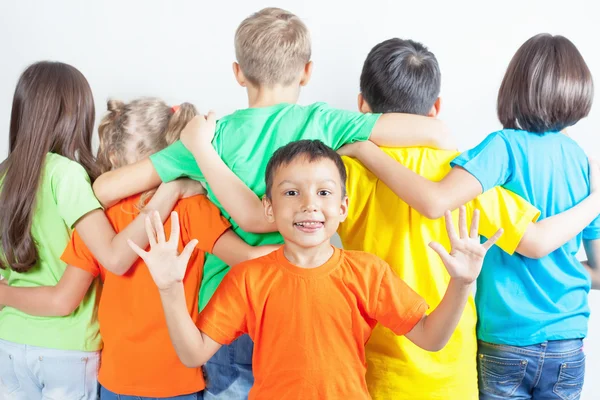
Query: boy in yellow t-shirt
point(403, 76)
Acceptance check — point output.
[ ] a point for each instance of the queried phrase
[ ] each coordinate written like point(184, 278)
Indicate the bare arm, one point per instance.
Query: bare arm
point(111, 249)
point(113, 186)
point(432, 332)
point(193, 347)
point(167, 268)
point(429, 198)
point(592, 250)
point(543, 237)
point(237, 199)
point(407, 130)
point(233, 250)
point(49, 301)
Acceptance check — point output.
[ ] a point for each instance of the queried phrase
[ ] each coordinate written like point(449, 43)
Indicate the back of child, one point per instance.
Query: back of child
point(535, 309)
point(44, 192)
point(403, 76)
point(135, 360)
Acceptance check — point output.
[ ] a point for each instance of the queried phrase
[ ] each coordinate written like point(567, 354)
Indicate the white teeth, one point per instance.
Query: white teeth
point(309, 224)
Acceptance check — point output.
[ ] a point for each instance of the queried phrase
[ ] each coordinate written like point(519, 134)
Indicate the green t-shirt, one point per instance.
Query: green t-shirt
point(246, 140)
point(64, 196)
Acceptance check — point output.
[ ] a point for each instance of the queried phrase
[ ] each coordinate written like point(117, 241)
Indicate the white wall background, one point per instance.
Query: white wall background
point(182, 51)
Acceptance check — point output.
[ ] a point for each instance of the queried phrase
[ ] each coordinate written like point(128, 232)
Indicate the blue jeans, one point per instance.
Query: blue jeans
point(106, 394)
point(30, 372)
point(229, 372)
point(549, 370)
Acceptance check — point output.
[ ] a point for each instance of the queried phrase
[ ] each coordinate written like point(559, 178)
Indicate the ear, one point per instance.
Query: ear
point(435, 109)
point(363, 106)
point(344, 209)
point(306, 73)
point(239, 75)
point(268, 209)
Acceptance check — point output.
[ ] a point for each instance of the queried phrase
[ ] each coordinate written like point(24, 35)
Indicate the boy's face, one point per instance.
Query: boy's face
point(306, 202)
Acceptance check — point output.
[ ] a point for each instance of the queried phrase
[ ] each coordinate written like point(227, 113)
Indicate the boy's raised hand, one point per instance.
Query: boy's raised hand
point(166, 265)
point(466, 256)
point(199, 132)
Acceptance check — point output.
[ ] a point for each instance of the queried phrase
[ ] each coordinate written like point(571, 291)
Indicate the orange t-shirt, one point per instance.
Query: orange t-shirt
point(310, 326)
point(138, 358)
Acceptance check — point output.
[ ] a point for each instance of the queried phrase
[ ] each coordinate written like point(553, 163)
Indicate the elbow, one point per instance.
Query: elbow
point(63, 307)
point(191, 362)
point(115, 266)
point(434, 347)
point(102, 193)
point(433, 209)
point(533, 249)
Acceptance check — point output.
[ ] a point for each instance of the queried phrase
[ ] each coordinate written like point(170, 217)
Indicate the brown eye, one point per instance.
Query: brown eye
point(324, 193)
point(291, 193)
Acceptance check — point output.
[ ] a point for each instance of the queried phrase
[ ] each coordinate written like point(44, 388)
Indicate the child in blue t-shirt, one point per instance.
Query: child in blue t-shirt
point(532, 313)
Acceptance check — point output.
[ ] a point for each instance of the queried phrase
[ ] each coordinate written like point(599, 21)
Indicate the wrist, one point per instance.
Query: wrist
point(462, 284)
point(171, 291)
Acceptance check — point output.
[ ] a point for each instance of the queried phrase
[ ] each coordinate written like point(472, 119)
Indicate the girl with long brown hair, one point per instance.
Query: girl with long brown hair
point(49, 337)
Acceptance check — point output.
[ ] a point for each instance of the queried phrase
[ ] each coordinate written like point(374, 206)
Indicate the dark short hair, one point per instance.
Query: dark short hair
point(400, 76)
point(311, 150)
point(547, 86)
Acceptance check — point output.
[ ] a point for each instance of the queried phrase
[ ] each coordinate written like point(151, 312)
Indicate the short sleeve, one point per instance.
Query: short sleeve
point(341, 127)
point(224, 317)
point(78, 255)
point(203, 221)
point(73, 192)
point(592, 231)
point(490, 161)
point(397, 306)
point(501, 208)
point(176, 162)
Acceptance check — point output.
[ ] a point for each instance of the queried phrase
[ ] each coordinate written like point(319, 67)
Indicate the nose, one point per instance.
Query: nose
point(309, 204)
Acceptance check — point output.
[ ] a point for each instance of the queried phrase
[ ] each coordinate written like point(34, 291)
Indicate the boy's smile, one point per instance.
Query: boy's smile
point(307, 202)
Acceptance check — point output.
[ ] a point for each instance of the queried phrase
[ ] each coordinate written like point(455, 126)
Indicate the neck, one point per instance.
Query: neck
point(265, 97)
point(308, 257)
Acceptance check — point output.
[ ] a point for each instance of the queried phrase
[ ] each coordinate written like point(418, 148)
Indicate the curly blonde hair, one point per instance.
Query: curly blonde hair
point(141, 127)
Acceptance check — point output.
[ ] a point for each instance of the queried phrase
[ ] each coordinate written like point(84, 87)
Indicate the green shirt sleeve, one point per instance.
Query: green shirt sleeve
point(73, 192)
point(341, 127)
point(176, 162)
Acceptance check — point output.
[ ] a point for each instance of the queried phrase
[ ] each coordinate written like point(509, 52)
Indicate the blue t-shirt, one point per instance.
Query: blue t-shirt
point(522, 301)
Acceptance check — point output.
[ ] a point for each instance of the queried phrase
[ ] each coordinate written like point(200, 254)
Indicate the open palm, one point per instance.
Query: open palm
point(166, 265)
point(466, 255)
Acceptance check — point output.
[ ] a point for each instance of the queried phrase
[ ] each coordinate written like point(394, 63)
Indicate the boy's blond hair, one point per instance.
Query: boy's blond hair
point(272, 47)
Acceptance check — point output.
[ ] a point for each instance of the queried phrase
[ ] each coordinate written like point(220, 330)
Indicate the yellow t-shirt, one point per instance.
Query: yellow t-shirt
point(380, 223)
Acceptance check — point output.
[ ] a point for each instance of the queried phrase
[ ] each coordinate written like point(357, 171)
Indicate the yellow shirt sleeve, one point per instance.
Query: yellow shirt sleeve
point(501, 208)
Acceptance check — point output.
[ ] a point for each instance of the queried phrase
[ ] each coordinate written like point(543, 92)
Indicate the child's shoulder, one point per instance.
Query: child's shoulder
point(255, 269)
point(362, 259)
point(58, 164)
point(61, 168)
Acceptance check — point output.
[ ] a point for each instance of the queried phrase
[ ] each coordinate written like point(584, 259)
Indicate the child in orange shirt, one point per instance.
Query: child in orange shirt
point(137, 359)
point(311, 307)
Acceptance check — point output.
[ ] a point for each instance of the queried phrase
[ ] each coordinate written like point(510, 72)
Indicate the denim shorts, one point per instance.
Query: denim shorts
point(549, 370)
point(228, 373)
point(106, 394)
point(29, 372)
